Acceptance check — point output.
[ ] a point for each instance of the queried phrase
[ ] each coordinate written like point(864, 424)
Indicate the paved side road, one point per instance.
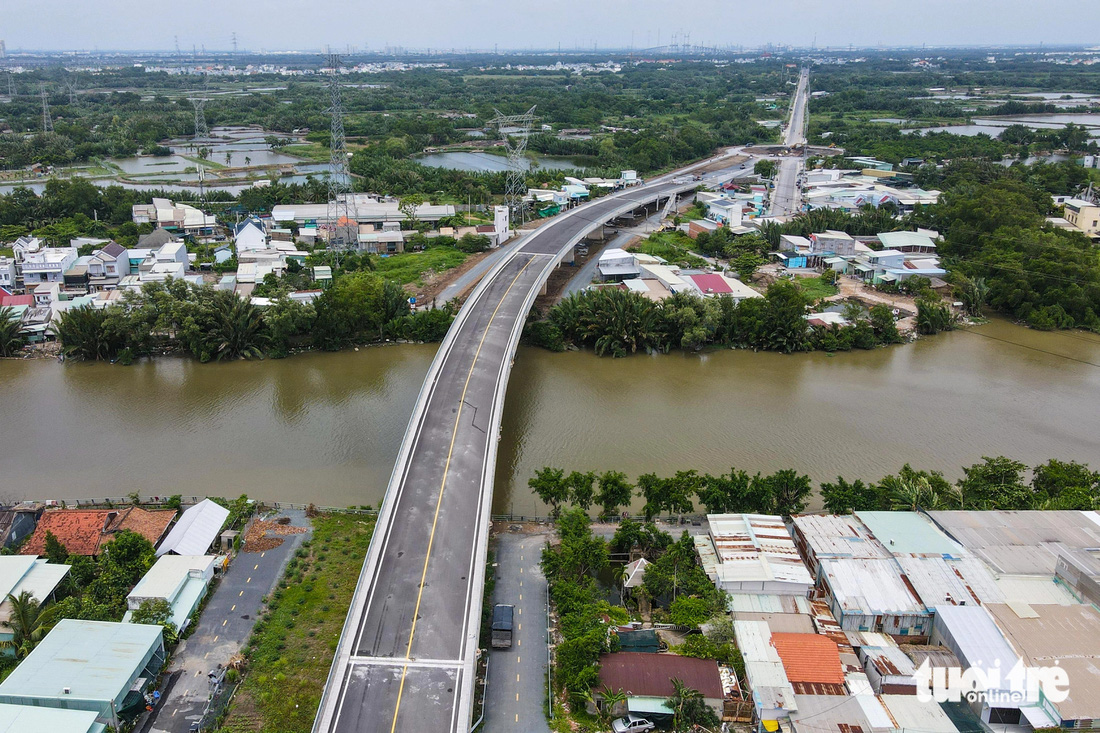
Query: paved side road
point(222, 629)
point(516, 691)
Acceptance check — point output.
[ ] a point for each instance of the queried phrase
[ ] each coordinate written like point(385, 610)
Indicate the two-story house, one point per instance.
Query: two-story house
point(46, 265)
point(107, 266)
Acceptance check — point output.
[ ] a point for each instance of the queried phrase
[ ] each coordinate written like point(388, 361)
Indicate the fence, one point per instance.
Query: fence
point(190, 500)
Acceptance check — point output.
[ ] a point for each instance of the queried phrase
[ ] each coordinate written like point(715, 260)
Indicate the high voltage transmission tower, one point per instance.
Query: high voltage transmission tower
point(47, 119)
point(202, 132)
point(71, 86)
point(343, 220)
point(11, 85)
point(515, 129)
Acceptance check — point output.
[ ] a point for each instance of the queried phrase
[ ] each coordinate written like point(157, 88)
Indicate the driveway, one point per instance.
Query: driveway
point(222, 629)
point(516, 689)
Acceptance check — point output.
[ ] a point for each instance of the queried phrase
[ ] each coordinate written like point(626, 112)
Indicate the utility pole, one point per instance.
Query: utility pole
point(234, 43)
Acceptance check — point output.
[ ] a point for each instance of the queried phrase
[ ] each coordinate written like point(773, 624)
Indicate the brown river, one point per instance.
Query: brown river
point(325, 428)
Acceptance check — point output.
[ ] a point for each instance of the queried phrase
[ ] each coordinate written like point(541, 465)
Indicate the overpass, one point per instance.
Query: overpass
point(406, 658)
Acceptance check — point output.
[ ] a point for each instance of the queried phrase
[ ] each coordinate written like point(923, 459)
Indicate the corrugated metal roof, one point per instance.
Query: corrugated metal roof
point(168, 575)
point(909, 712)
point(973, 636)
point(829, 714)
point(1021, 542)
point(651, 675)
point(831, 535)
point(869, 587)
point(96, 660)
point(908, 533)
point(756, 547)
point(195, 530)
point(24, 718)
point(939, 581)
point(768, 603)
point(1041, 589)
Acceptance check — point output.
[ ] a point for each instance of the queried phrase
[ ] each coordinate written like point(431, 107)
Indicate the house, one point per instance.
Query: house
point(910, 243)
point(179, 580)
point(107, 266)
point(152, 241)
point(794, 243)
point(168, 260)
point(1084, 216)
point(8, 275)
point(20, 573)
point(889, 670)
point(647, 680)
point(773, 696)
point(250, 235)
point(711, 285)
point(839, 714)
point(833, 242)
point(18, 522)
point(725, 211)
point(196, 529)
point(16, 718)
point(754, 553)
point(86, 531)
point(165, 214)
point(634, 573)
point(47, 265)
point(695, 227)
point(811, 662)
point(368, 209)
point(792, 614)
point(96, 666)
point(909, 713)
point(617, 264)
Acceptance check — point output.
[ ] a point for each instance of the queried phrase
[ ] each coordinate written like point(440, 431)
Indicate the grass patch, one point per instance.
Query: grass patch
point(410, 267)
point(816, 288)
point(293, 644)
point(671, 246)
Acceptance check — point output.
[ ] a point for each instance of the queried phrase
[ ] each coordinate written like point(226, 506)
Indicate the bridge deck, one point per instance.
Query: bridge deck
point(406, 658)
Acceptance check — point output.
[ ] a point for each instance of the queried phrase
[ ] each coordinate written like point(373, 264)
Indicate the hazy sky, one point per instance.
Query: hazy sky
point(298, 24)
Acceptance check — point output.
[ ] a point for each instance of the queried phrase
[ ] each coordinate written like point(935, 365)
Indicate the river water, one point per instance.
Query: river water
point(326, 427)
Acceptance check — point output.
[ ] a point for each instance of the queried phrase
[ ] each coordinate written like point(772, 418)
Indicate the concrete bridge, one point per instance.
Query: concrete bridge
point(406, 657)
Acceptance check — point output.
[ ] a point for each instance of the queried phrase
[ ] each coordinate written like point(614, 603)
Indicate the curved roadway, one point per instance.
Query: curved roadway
point(405, 660)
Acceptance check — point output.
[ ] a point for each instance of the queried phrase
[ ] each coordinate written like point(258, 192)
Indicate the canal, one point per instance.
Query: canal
point(326, 427)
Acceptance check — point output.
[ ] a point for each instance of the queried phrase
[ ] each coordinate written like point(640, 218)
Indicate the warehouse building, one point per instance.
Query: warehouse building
point(95, 666)
point(25, 719)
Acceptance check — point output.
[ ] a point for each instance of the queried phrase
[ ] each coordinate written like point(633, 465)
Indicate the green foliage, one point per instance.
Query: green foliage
point(11, 338)
point(550, 487)
point(933, 317)
point(689, 708)
point(156, 612)
point(765, 168)
point(996, 483)
point(690, 612)
point(28, 622)
point(844, 498)
point(55, 551)
point(614, 492)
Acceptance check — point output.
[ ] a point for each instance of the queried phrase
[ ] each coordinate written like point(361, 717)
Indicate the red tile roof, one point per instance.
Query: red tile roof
point(651, 675)
point(711, 283)
point(486, 229)
point(809, 658)
point(150, 525)
point(78, 529)
point(9, 301)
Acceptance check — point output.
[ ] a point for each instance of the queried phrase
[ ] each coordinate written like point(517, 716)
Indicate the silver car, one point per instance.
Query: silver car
point(632, 724)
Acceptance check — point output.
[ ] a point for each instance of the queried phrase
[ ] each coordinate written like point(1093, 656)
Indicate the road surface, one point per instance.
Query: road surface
point(786, 197)
point(405, 659)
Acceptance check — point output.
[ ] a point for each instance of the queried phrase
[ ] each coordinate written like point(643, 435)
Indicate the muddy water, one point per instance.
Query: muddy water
point(326, 427)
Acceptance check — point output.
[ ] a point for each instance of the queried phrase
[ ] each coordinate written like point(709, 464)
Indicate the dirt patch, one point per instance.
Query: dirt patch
point(265, 535)
point(435, 285)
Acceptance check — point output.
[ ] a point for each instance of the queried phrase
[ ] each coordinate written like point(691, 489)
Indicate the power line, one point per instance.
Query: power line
point(1032, 348)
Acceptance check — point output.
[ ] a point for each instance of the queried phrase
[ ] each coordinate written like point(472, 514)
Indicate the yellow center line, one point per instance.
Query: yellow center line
point(442, 484)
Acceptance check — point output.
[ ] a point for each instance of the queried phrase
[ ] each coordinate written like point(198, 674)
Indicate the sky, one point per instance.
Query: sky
point(267, 25)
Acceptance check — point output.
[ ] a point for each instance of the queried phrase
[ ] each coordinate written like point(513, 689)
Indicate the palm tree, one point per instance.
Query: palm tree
point(239, 329)
point(11, 340)
point(28, 623)
point(610, 701)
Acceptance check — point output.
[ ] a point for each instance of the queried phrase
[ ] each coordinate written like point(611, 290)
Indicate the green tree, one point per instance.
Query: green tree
point(996, 483)
point(689, 708)
point(409, 206)
point(790, 492)
point(1056, 479)
point(55, 551)
point(128, 553)
point(747, 264)
point(156, 612)
point(883, 325)
point(582, 488)
point(238, 329)
point(28, 621)
point(844, 498)
point(11, 336)
point(550, 486)
point(614, 491)
point(689, 611)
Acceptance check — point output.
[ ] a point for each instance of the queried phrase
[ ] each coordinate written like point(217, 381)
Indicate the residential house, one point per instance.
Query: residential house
point(97, 666)
point(107, 266)
point(909, 243)
point(165, 214)
point(647, 680)
point(695, 227)
point(250, 235)
point(711, 285)
point(725, 211)
point(179, 580)
point(168, 260)
point(811, 662)
point(368, 208)
point(19, 574)
point(17, 522)
point(1084, 216)
point(46, 265)
point(773, 696)
point(832, 242)
point(8, 275)
point(86, 531)
point(75, 281)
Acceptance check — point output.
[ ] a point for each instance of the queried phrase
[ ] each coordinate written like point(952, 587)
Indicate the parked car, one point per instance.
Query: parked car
point(632, 724)
point(502, 626)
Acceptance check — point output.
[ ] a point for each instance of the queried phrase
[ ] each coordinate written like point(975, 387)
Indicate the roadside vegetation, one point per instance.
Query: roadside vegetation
point(295, 638)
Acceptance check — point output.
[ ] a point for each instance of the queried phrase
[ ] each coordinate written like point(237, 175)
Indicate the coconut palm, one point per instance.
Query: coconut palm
point(239, 331)
point(11, 340)
point(29, 622)
point(83, 332)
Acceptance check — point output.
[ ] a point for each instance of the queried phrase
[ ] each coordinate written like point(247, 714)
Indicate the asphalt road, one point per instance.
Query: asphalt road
point(224, 626)
point(786, 198)
point(406, 657)
point(516, 688)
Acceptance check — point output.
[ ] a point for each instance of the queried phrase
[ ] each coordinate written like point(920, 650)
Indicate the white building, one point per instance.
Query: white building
point(617, 264)
point(250, 235)
point(725, 211)
point(163, 213)
point(47, 265)
point(196, 529)
point(180, 580)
